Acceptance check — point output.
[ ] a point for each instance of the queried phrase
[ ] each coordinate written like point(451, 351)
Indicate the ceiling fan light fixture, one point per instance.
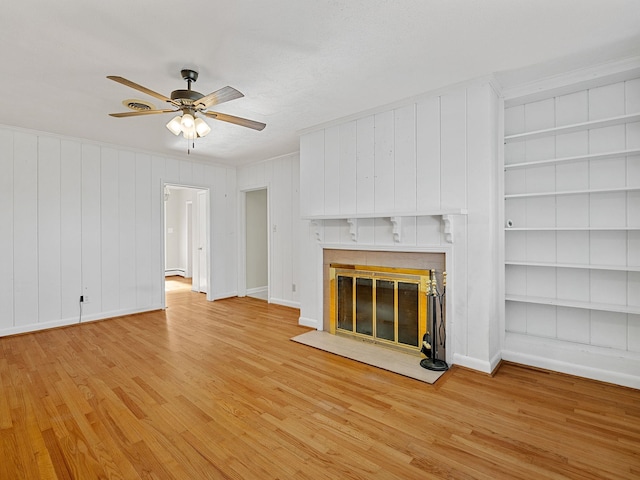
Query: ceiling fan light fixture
point(175, 125)
point(190, 134)
point(187, 121)
point(201, 127)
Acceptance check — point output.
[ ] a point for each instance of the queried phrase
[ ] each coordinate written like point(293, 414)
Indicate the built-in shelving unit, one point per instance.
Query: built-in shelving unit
point(572, 217)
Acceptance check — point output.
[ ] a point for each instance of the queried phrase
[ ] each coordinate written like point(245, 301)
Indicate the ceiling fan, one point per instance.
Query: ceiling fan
point(187, 103)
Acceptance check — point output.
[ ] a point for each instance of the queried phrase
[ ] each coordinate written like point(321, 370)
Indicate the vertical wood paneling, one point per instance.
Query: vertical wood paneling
point(384, 183)
point(79, 219)
point(453, 136)
point(332, 171)
point(157, 233)
point(197, 171)
point(144, 278)
point(365, 165)
point(288, 230)
point(49, 288)
point(70, 228)
point(186, 173)
point(278, 194)
point(258, 173)
point(217, 231)
point(6, 220)
point(127, 229)
point(607, 101)
point(297, 227)
point(405, 169)
point(110, 228)
point(482, 250)
point(347, 165)
point(25, 224)
point(91, 230)
point(230, 252)
point(312, 173)
point(428, 154)
point(172, 170)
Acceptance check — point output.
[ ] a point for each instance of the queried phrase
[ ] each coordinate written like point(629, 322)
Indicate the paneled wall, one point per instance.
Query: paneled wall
point(405, 160)
point(79, 218)
point(572, 203)
point(281, 177)
point(398, 180)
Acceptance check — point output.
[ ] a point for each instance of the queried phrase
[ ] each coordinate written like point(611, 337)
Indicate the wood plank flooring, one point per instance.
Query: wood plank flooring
point(218, 391)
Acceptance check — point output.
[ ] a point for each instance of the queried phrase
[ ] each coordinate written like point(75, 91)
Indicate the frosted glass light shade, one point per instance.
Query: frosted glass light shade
point(202, 128)
point(187, 121)
point(174, 125)
point(189, 133)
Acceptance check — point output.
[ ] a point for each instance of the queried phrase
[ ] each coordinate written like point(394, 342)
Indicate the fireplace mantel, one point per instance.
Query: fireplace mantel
point(395, 218)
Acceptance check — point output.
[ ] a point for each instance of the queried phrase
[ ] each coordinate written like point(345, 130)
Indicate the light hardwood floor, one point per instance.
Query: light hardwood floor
point(217, 390)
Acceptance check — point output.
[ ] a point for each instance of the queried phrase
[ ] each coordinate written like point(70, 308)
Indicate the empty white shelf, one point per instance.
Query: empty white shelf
point(573, 159)
point(586, 266)
point(572, 192)
point(576, 127)
point(574, 304)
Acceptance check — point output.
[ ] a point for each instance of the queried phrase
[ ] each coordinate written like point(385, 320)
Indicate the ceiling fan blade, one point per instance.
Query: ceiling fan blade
point(141, 112)
point(140, 88)
point(219, 96)
point(243, 122)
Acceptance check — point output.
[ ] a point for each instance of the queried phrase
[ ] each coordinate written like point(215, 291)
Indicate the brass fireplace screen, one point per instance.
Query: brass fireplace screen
point(380, 304)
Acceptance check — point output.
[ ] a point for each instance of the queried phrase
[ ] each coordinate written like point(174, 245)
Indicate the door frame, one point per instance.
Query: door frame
point(242, 238)
point(163, 233)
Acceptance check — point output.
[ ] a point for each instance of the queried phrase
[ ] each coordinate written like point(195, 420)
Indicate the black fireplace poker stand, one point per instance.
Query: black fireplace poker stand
point(435, 298)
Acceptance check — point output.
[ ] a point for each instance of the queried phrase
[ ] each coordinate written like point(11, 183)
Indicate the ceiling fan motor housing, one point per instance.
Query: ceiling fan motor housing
point(189, 95)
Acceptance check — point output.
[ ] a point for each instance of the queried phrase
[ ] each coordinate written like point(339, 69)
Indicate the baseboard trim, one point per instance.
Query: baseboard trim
point(588, 361)
point(222, 296)
point(285, 303)
point(174, 272)
point(257, 290)
point(602, 375)
point(75, 320)
point(472, 363)
point(308, 322)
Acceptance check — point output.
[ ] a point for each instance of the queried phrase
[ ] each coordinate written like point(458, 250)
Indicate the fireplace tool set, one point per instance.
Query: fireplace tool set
point(436, 333)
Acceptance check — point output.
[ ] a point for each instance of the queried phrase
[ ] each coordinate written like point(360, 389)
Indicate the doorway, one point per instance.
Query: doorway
point(186, 237)
point(256, 243)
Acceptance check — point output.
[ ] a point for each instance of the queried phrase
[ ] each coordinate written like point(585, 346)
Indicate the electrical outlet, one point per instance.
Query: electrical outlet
point(293, 287)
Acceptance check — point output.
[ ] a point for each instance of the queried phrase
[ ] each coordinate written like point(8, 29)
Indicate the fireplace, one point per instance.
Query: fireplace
point(379, 304)
point(383, 295)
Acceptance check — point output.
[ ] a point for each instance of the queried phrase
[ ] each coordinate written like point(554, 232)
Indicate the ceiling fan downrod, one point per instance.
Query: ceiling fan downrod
point(189, 76)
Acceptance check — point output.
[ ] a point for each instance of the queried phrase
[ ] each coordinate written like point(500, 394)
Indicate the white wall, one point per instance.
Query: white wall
point(419, 161)
point(281, 176)
point(80, 218)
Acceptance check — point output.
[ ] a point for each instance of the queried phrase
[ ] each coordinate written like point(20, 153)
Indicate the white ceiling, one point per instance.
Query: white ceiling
point(298, 62)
